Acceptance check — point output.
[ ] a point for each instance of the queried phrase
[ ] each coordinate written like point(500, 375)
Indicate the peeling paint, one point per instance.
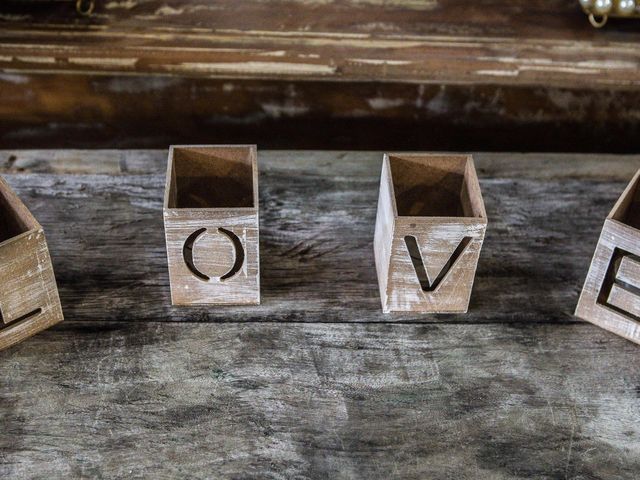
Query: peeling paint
point(375, 61)
point(16, 79)
point(278, 53)
point(255, 68)
point(122, 4)
point(380, 103)
point(102, 62)
point(140, 85)
point(498, 73)
point(167, 10)
point(34, 59)
point(277, 110)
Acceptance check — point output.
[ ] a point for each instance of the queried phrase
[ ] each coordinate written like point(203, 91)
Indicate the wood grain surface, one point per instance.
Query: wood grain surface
point(140, 400)
point(518, 42)
point(609, 297)
point(211, 202)
point(110, 111)
point(130, 387)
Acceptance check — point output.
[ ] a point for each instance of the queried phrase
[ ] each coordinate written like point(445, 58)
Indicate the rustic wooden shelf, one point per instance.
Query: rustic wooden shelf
point(521, 42)
point(516, 75)
point(517, 388)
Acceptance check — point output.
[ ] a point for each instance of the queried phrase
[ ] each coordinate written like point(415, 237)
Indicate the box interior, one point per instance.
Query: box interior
point(628, 212)
point(435, 186)
point(212, 177)
point(14, 220)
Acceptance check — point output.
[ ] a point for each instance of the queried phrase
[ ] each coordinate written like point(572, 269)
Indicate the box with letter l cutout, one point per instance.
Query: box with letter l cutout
point(29, 301)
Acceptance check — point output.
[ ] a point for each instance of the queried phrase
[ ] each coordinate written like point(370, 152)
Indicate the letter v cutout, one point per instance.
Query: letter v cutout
point(418, 264)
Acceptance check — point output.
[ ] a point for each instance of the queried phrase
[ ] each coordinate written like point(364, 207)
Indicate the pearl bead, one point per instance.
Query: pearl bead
point(586, 3)
point(626, 7)
point(602, 7)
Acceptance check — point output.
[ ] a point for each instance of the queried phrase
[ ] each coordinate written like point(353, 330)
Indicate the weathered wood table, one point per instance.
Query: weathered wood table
point(325, 385)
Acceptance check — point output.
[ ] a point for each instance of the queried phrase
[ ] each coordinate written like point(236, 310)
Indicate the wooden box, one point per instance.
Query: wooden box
point(430, 227)
point(29, 300)
point(610, 297)
point(211, 225)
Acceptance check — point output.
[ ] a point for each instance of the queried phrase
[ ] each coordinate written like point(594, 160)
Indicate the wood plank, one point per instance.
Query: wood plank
point(115, 393)
point(98, 111)
point(115, 400)
point(518, 42)
point(509, 165)
point(317, 223)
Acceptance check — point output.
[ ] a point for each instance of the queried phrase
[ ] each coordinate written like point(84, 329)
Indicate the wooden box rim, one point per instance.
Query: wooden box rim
point(253, 152)
point(19, 208)
point(470, 174)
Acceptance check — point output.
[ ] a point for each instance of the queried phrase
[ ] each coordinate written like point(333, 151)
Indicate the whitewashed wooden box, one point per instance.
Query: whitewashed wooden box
point(610, 296)
point(29, 300)
point(211, 224)
point(430, 228)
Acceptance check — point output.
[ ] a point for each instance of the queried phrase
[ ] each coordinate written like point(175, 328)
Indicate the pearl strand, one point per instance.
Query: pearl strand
point(606, 7)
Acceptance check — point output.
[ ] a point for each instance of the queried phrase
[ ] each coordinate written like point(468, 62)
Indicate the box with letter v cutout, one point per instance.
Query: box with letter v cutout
point(430, 227)
point(610, 297)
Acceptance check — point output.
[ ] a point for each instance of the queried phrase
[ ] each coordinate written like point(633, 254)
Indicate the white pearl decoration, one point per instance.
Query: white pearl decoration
point(586, 3)
point(626, 7)
point(602, 7)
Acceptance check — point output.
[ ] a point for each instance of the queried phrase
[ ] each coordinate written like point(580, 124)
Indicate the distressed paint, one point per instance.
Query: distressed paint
point(321, 401)
point(218, 165)
point(440, 41)
point(437, 236)
point(618, 232)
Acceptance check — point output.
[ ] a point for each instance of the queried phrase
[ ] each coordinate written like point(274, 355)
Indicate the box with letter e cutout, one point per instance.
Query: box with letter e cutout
point(610, 296)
